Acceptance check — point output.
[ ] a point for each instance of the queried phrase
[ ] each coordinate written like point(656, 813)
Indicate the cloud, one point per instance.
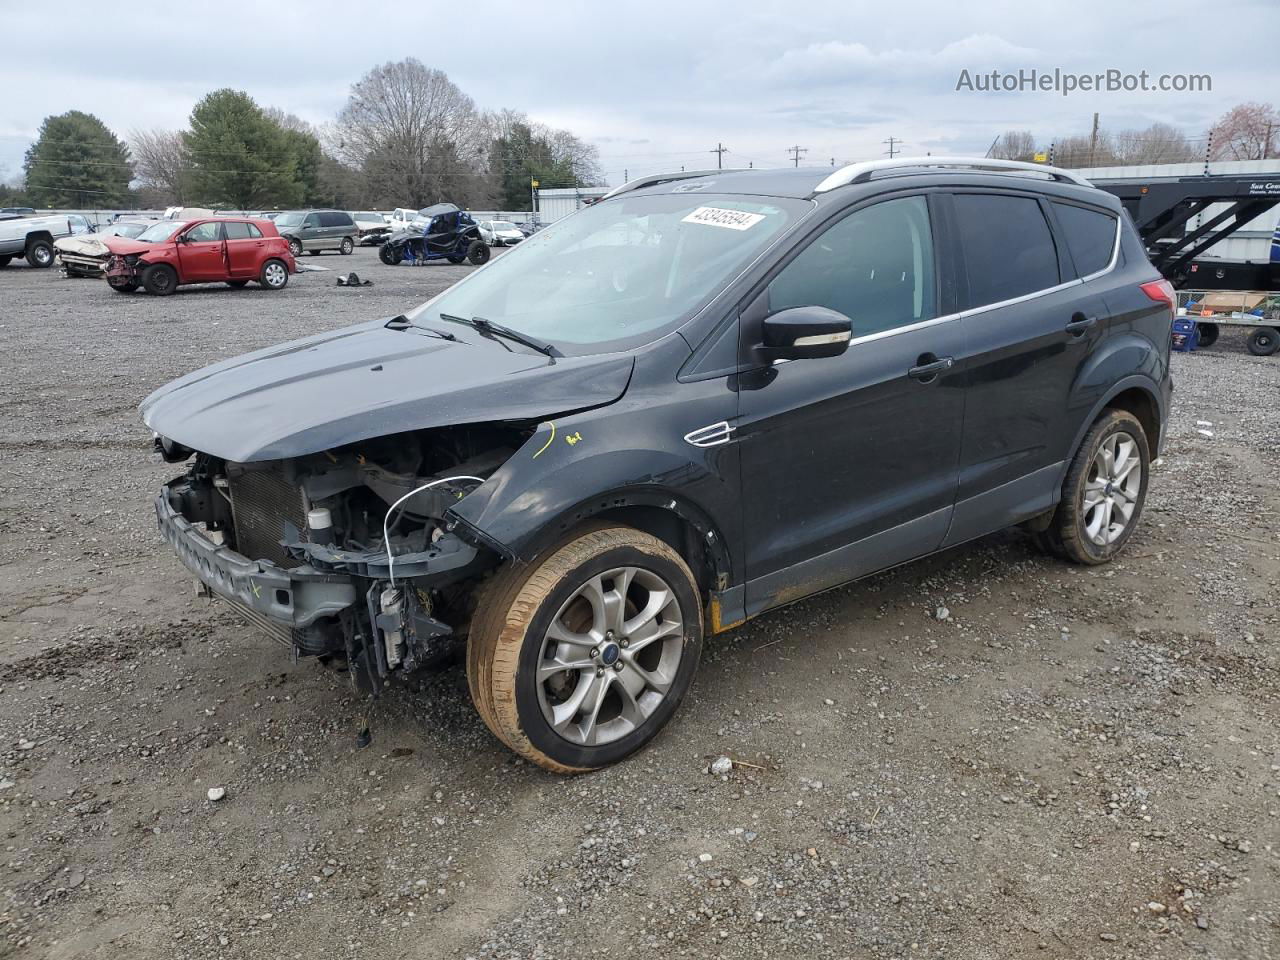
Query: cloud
point(833, 62)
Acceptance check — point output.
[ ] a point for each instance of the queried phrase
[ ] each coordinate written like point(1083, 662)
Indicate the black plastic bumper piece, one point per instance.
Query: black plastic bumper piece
point(296, 597)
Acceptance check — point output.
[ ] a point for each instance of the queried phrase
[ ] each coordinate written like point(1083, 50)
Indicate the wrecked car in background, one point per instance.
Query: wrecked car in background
point(438, 232)
point(707, 396)
point(86, 256)
point(171, 253)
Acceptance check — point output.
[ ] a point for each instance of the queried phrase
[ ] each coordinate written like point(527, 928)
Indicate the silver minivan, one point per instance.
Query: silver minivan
point(316, 230)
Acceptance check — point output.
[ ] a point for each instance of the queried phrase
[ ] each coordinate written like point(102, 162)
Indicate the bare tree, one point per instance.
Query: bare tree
point(414, 133)
point(1083, 150)
point(1158, 143)
point(1247, 132)
point(1014, 145)
point(161, 164)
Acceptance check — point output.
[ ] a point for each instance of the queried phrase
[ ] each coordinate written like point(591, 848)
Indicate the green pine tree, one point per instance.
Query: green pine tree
point(239, 156)
point(77, 162)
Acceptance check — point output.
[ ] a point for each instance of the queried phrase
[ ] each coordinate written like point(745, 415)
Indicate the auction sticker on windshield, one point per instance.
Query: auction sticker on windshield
point(720, 217)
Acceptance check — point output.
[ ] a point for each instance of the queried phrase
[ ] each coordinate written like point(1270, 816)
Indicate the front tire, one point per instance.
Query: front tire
point(159, 279)
point(4, 261)
point(1263, 342)
point(1104, 492)
point(478, 252)
point(579, 661)
point(1208, 334)
point(295, 247)
point(123, 286)
point(347, 247)
point(40, 253)
point(237, 284)
point(389, 255)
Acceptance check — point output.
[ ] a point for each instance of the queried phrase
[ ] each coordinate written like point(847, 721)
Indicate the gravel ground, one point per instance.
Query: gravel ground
point(1064, 763)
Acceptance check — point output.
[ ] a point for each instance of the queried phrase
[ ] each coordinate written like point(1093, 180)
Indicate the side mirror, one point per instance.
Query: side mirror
point(804, 333)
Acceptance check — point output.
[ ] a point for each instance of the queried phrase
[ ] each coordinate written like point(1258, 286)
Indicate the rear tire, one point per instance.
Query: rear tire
point(4, 261)
point(1108, 476)
point(274, 275)
point(622, 611)
point(159, 279)
point(347, 247)
point(1264, 342)
point(40, 253)
point(1208, 333)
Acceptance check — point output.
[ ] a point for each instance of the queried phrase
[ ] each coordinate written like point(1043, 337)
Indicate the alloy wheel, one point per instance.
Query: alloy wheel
point(610, 656)
point(1112, 489)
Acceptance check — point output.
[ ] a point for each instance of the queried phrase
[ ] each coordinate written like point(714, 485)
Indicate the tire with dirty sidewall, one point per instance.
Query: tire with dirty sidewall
point(515, 608)
point(1066, 537)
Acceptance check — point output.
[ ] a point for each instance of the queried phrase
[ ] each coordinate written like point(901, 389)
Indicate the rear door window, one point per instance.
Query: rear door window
point(237, 231)
point(1090, 236)
point(1008, 248)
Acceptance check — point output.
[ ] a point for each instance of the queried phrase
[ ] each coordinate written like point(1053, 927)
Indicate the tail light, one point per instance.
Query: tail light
point(1161, 291)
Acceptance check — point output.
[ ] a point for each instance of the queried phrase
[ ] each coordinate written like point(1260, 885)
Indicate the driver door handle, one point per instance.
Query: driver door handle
point(1079, 324)
point(928, 367)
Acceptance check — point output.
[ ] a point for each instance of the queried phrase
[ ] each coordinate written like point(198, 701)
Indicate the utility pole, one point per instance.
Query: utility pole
point(895, 145)
point(833, 161)
point(796, 151)
point(625, 175)
point(719, 151)
point(1093, 138)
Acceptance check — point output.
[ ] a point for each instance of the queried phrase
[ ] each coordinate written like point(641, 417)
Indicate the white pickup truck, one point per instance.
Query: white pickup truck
point(32, 237)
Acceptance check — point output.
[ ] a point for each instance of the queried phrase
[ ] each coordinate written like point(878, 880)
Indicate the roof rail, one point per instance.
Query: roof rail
point(654, 179)
point(861, 172)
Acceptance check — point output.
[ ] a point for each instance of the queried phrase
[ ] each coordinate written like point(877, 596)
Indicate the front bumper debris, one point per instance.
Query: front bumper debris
point(296, 597)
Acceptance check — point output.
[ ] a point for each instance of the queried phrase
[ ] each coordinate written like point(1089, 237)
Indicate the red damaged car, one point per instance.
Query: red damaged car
point(171, 253)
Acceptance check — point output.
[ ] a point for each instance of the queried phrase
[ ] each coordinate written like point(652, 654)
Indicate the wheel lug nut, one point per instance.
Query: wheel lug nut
point(595, 652)
point(599, 671)
point(625, 642)
point(618, 666)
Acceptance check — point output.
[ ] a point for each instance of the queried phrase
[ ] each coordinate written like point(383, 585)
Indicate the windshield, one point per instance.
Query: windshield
point(289, 219)
point(160, 232)
point(503, 225)
point(620, 273)
point(123, 229)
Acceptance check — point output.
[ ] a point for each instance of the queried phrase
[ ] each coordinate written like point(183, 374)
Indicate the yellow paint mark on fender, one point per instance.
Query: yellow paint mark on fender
point(549, 439)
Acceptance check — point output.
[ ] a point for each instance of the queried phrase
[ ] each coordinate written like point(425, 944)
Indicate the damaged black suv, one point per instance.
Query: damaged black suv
point(708, 395)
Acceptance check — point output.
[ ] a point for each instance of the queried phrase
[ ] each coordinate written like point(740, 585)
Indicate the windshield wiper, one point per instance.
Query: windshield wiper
point(492, 329)
point(402, 322)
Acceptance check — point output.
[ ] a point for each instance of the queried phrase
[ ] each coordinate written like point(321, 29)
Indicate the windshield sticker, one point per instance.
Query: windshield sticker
point(720, 217)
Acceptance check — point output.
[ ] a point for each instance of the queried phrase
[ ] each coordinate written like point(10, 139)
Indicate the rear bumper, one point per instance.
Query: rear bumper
point(294, 598)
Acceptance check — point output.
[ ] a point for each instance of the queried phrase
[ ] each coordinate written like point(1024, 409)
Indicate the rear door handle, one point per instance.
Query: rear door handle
point(1079, 324)
point(928, 367)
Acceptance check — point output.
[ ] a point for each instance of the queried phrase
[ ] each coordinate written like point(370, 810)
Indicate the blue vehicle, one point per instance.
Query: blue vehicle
point(439, 232)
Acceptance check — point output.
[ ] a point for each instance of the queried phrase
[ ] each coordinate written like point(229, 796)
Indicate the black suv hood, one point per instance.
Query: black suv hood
point(369, 381)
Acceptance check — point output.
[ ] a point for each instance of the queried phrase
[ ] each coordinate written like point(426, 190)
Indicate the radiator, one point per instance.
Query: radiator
point(261, 502)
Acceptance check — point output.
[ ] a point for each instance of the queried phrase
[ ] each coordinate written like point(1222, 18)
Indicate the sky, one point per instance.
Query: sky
point(655, 85)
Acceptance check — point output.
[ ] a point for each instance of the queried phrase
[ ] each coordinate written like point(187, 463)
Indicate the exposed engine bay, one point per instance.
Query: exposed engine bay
point(351, 554)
